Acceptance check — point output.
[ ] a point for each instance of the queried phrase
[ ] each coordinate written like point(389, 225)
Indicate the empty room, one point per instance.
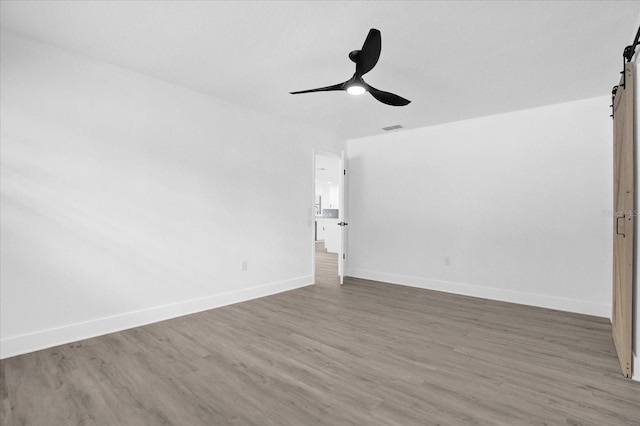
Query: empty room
point(319, 213)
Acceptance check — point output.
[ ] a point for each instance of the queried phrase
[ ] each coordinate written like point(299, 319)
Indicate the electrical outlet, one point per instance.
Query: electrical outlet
point(447, 261)
point(244, 265)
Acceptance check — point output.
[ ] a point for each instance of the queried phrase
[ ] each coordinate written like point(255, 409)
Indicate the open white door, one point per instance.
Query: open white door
point(342, 215)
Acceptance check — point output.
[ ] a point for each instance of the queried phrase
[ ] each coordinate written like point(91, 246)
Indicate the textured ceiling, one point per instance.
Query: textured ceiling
point(454, 60)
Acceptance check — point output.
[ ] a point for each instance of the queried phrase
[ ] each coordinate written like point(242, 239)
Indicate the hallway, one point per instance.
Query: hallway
point(326, 266)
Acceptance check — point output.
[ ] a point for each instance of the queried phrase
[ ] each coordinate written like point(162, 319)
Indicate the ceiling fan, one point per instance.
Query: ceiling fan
point(365, 59)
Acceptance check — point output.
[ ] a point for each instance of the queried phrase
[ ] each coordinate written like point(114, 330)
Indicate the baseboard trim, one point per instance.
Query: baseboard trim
point(539, 300)
point(44, 339)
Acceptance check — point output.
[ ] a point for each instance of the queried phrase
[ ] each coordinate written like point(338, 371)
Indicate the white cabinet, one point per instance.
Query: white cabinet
point(329, 231)
point(320, 230)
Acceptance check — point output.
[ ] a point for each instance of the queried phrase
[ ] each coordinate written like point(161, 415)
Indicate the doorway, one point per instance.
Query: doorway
point(327, 205)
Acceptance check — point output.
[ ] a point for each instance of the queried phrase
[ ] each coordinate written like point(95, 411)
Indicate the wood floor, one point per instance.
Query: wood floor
point(365, 353)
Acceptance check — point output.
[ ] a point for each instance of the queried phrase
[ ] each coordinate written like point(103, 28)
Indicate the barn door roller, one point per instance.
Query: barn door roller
point(627, 56)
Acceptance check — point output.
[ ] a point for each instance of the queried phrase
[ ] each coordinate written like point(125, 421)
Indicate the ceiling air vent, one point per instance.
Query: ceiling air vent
point(397, 126)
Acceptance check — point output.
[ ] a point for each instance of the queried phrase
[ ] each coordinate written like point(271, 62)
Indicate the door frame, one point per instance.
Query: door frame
point(326, 153)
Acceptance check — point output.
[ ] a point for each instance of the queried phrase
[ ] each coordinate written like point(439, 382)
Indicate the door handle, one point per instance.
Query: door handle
point(342, 223)
point(618, 226)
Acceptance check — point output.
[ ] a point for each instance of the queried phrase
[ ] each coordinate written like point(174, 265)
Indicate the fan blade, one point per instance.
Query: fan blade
point(339, 86)
point(370, 52)
point(388, 98)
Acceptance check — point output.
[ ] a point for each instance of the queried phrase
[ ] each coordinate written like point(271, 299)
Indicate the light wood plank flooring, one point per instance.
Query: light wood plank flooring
point(326, 266)
point(365, 353)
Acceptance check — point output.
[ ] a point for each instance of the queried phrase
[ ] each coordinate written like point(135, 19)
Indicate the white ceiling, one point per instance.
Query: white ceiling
point(454, 60)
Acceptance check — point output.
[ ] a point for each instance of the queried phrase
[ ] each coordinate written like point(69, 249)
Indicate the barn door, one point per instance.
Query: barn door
point(623, 220)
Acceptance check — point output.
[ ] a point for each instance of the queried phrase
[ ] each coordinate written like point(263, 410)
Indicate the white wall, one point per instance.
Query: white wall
point(515, 201)
point(330, 193)
point(127, 200)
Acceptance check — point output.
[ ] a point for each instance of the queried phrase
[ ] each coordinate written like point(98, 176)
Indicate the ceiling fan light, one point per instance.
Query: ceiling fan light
point(356, 89)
